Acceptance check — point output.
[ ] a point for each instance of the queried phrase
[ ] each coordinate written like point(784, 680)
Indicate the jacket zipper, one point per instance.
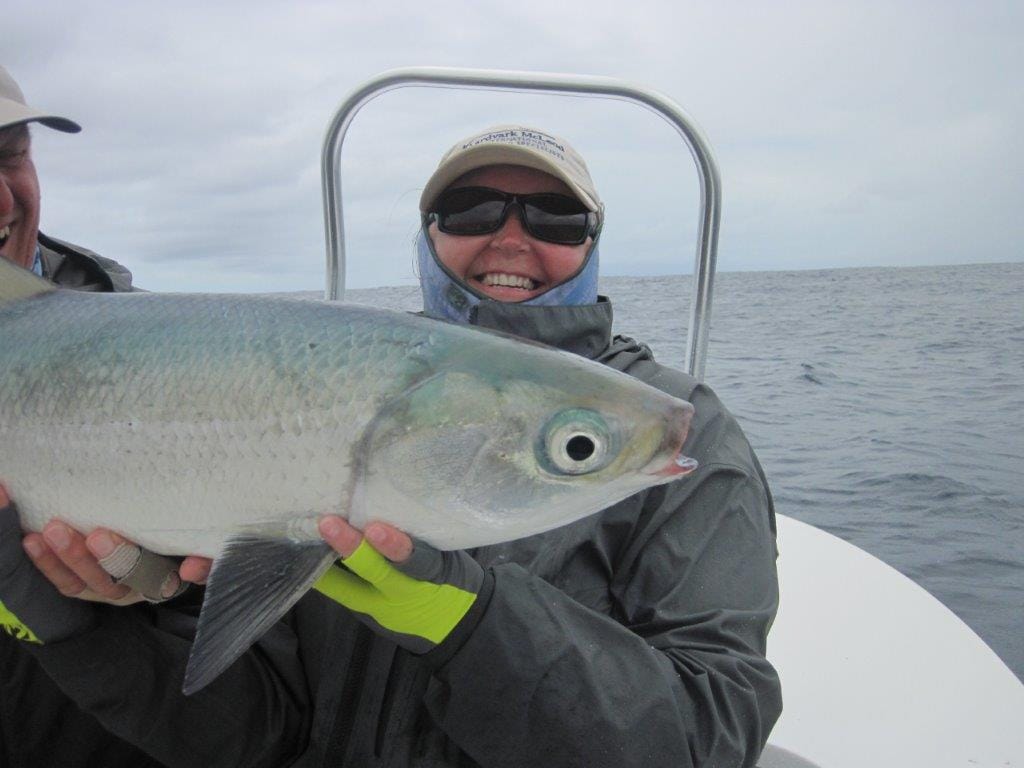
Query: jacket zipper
point(345, 717)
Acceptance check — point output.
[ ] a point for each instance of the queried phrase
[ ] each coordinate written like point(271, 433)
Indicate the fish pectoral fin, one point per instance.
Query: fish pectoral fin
point(253, 583)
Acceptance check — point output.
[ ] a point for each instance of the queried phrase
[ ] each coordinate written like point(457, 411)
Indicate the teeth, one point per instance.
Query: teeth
point(512, 281)
point(5, 232)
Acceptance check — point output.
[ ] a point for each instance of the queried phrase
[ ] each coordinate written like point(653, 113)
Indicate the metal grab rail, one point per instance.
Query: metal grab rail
point(707, 168)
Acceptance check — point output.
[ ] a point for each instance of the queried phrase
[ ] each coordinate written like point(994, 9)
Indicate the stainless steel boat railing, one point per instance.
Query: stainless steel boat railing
point(707, 168)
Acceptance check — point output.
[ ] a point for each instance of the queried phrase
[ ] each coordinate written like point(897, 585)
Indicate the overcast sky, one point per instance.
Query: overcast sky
point(847, 133)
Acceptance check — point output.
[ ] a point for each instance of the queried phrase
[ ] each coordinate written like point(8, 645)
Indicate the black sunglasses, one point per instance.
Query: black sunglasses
point(481, 210)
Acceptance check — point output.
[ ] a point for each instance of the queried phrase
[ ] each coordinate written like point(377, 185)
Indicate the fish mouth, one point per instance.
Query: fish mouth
point(679, 466)
point(678, 463)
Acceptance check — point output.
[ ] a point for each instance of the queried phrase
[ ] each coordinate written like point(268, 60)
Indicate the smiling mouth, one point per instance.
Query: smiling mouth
point(505, 280)
point(5, 232)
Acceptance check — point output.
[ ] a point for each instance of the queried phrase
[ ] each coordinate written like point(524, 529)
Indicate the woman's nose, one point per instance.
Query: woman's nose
point(512, 231)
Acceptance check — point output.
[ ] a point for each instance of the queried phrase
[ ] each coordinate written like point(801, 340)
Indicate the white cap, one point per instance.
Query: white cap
point(14, 110)
point(514, 145)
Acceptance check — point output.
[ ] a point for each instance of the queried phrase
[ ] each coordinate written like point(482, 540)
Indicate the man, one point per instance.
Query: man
point(53, 649)
point(30, 704)
point(20, 239)
point(69, 266)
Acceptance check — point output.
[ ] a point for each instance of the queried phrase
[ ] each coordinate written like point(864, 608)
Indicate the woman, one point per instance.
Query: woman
point(633, 637)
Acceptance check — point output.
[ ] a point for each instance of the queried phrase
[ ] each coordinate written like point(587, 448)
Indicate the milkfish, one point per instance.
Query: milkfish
point(226, 425)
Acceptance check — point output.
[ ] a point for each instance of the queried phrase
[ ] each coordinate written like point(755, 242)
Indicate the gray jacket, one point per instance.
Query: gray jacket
point(72, 266)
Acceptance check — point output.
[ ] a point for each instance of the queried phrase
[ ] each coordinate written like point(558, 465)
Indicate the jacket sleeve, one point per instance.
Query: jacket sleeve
point(128, 671)
point(40, 726)
point(675, 676)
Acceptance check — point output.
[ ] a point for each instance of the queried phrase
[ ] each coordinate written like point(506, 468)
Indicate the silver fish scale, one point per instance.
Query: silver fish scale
point(194, 390)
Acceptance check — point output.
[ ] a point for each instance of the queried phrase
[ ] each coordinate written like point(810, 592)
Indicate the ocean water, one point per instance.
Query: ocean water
point(887, 407)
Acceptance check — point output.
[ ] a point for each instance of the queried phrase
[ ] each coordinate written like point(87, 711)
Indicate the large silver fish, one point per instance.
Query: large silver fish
point(225, 425)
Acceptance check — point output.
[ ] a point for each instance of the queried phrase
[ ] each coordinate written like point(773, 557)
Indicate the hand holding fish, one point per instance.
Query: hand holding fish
point(394, 544)
point(66, 558)
point(105, 567)
point(402, 588)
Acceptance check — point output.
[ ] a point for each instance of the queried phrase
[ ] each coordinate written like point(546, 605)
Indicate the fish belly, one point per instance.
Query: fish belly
point(181, 489)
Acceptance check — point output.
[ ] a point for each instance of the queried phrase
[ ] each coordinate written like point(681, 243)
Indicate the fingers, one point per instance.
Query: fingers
point(394, 544)
point(195, 569)
point(70, 546)
point(82, 567)
point(151, 575)
point(51, 566)
point(60, 554)
point(339, 534)
point(102, 544)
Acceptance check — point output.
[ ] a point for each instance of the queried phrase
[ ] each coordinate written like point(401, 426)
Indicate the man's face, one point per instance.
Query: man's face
point(509, 265)
point(19, 197)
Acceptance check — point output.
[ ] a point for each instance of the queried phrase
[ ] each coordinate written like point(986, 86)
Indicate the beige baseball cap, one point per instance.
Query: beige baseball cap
point(14, 110)
point(514, 145)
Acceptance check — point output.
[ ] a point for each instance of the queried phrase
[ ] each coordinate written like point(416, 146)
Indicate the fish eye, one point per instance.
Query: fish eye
point(575, 442)
point(580, 447)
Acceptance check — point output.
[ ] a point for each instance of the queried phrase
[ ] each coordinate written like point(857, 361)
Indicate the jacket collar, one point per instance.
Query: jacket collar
point(73, 266)
point(583, 329)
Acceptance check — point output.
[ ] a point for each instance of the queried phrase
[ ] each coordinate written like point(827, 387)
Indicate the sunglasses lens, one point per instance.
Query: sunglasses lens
point(480, 210)
point(470, 211)
point(556, 218)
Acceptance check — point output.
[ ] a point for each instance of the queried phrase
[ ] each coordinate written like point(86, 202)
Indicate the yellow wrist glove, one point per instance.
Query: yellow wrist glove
point(417, 603)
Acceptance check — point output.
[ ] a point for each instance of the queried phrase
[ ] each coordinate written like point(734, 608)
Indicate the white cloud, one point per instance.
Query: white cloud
point(847, 133)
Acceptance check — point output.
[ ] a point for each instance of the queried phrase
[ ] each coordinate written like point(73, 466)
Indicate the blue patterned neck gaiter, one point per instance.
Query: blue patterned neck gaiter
point(447, 298)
